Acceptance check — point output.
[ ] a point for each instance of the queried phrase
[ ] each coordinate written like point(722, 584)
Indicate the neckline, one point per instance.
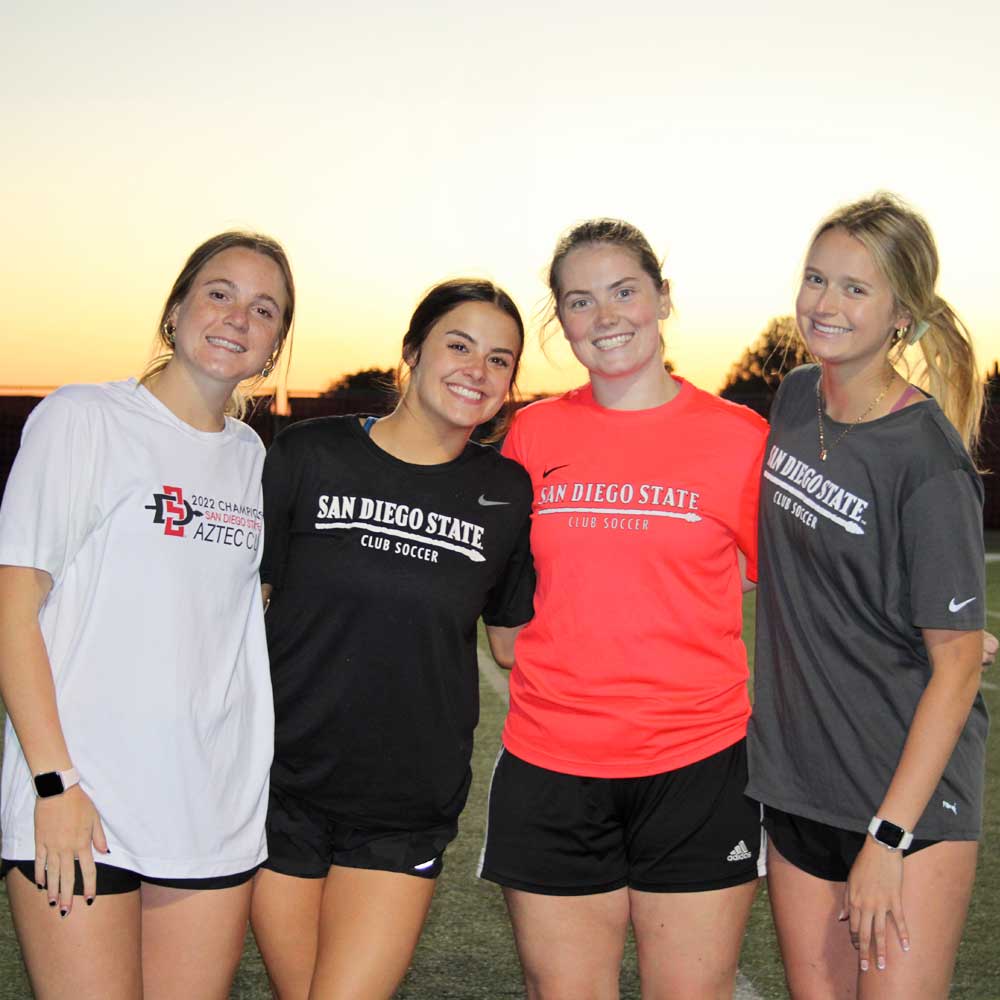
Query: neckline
point(356, 428)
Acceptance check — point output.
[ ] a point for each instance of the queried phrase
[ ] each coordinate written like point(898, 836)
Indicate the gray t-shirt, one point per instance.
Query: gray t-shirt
point(857, 555)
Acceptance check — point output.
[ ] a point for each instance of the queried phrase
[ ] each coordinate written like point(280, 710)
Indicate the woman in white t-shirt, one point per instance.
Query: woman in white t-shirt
point(133, 662)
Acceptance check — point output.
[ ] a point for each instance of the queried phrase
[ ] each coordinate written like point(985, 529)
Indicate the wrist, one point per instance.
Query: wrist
point(51, 783)
point(889, 835)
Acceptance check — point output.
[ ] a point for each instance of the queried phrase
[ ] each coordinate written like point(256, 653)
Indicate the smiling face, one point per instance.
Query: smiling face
point(465, 366)
point(610, 310)
point(846, 310)
point(230, 322)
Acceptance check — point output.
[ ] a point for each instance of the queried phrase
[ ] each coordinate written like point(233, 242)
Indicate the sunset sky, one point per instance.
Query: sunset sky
point(390, 147)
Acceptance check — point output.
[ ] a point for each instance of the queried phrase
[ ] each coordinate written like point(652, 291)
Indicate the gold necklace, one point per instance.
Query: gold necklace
point(823, 450)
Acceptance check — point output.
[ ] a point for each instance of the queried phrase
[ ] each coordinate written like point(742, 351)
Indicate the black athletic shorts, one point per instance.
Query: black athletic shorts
point(826, 852)
point(688, 830)
point(113, 881)
point(303, 840)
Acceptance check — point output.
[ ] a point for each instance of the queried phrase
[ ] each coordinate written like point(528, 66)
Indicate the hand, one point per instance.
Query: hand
point(66, 826)
point(990, 646)
point(873, 893)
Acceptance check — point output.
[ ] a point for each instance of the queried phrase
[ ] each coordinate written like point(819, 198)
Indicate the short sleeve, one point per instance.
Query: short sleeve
point(511, 601)
point(280, 485)
point(50, 504)
point(512, 442)
point(749, 507)
point(942, 526)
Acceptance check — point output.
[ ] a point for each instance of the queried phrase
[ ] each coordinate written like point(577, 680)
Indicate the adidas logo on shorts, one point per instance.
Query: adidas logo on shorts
point(739, 853)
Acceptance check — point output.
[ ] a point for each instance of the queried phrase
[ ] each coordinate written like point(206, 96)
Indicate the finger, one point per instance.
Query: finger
point(879, 925)
point(98, 837)
point(865, 940)
point(40, 867)
point(89, 872)
point(67, 876)
point(900, 921)
point(845, 904)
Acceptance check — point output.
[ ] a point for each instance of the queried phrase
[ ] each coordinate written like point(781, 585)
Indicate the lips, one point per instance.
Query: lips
point(610, 343)
point(829, 330)
point(465, 392)
point(228, 345)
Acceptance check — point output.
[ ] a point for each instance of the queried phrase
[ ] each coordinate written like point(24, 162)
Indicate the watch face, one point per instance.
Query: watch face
point(889, 834)
point(48, 784)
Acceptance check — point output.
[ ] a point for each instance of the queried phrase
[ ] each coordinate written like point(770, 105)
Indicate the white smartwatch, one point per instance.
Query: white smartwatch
point(50, 783)
point(889, 835)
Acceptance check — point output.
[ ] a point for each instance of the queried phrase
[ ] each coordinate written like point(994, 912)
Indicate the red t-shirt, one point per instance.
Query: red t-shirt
point(633, 663)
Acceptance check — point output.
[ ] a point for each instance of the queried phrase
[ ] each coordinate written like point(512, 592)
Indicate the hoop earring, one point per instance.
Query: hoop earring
point(168, 332)
point(268, 368)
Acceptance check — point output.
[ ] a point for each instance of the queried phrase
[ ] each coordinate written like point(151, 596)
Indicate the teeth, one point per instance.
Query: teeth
point(607, 343)
point(823, 328)
point(465, 392)
point(227, 344)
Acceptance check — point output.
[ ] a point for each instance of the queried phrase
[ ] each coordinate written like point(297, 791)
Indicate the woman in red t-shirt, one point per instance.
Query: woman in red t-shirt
point(618, 796)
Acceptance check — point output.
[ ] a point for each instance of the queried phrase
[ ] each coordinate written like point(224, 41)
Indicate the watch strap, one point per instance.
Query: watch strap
point(46, 786)
point(875, 829)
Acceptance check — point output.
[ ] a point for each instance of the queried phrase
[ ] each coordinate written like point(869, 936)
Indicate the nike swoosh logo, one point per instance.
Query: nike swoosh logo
point(548, 472)
point(954, 606)
point(483, 502)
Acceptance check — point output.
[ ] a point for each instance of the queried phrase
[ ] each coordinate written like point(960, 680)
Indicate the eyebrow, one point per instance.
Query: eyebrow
point(611, 287)
point(232, 285)
point(472, 340)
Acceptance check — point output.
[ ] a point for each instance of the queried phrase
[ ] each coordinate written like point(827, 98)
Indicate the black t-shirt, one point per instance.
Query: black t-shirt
point(381, 570)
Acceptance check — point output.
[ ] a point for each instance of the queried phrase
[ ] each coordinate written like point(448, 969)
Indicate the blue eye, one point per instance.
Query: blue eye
point(626, 293)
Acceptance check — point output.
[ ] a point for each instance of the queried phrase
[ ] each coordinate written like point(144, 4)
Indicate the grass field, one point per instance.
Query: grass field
point(467, 951)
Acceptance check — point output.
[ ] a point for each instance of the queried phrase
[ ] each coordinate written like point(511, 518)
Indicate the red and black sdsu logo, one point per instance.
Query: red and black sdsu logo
point(172, 511)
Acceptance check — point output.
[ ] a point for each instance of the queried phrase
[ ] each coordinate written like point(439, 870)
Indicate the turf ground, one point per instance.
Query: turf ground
point(467, 952)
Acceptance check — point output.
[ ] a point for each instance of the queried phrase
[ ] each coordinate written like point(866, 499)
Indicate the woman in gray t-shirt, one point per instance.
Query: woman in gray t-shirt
point(868, 736)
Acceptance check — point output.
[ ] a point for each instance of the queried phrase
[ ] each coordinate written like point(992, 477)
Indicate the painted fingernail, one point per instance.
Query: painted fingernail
point(62, 913)
point(90, 901)
point(864, 965)
point(52, 902)
point(881, 963)
point(39, 885)
point(906, 944)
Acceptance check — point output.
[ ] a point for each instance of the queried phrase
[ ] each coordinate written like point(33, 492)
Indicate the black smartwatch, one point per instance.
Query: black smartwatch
point(889, 835)
point(50, 783)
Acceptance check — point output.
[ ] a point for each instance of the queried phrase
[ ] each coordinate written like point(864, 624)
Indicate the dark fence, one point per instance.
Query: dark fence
point(14, 411)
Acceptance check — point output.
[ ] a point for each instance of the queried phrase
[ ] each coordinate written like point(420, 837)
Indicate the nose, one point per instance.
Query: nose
point(238, 317)
point(827, 301)
point(607, 315)
point(475, 366)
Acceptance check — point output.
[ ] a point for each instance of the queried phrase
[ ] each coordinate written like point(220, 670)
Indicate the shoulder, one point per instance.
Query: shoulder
point(542, 412)
point(316, 431)
point(242, 433)
point(937, 447)
point(731, 418)
point(799, 382)
point(81, 402)
point(502, 470)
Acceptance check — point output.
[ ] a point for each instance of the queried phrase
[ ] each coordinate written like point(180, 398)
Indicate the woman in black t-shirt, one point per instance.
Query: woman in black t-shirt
point(385, 542)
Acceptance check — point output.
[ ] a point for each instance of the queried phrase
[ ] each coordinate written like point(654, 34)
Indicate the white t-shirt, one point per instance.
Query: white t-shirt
point(151, 532)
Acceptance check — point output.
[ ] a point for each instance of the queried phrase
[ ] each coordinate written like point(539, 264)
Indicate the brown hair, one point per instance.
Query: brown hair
point(903, 248)
point(202, 254)
point(594, 232)
point(438, 301)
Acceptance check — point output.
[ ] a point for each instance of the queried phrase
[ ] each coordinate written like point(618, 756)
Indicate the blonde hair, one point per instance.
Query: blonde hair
point(903, 248)
point(264, 245)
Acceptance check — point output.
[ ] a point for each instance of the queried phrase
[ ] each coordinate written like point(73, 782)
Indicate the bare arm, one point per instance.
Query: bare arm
point(874, 887)
point(502, 644)
point(266, 590)
point(746, 582)
point(66, 824)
